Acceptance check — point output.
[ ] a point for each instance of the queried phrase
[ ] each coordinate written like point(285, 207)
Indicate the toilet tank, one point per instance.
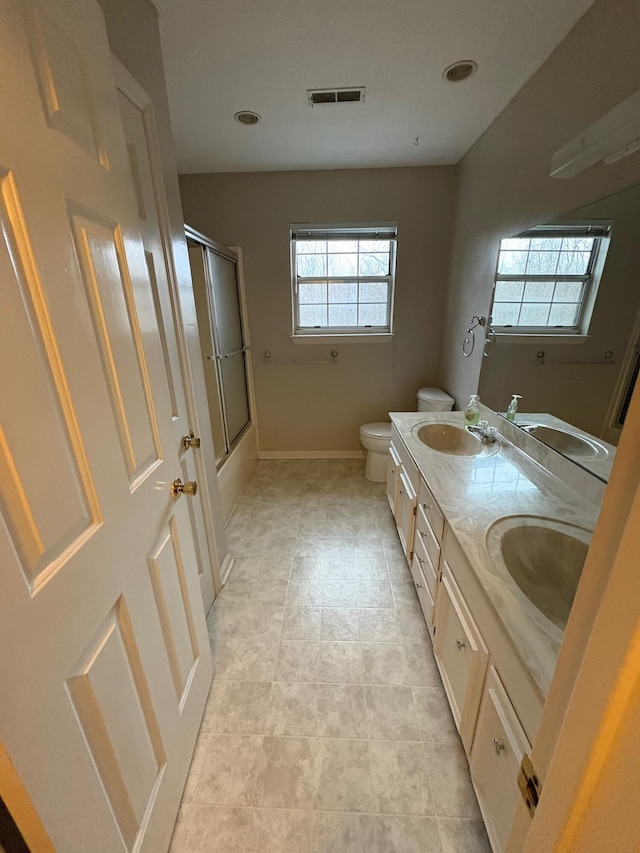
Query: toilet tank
point(434, 400)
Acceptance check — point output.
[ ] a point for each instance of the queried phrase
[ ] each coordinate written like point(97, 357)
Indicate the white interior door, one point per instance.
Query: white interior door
point(105, 663)
point(144, 159)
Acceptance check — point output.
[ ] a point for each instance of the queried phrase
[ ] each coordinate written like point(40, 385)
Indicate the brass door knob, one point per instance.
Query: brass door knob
point(179, 488)
point(190, 441)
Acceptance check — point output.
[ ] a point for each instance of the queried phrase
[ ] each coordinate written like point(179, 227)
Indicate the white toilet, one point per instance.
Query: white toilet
point(376, 437)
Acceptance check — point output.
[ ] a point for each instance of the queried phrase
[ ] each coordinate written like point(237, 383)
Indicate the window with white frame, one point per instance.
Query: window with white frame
point(343, 279)
point(547, 279)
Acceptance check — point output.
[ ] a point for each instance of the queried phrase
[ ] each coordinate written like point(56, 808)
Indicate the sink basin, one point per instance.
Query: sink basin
point(545, 559)
point(449, 438)
point(568, 443)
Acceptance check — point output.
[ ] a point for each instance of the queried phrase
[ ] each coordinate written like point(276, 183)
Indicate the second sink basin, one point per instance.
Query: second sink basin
point(568, 443)
point(449, 438)
point(545, 559)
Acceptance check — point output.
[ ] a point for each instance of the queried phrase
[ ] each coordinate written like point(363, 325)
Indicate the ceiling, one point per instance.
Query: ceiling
point(223, 56)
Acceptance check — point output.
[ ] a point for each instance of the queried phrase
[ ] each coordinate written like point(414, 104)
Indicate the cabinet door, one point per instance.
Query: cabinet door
point(425, 581)
point(427, 537)
point(460, 653)
point(405, 515)
point(498, 746)
point(394, 467)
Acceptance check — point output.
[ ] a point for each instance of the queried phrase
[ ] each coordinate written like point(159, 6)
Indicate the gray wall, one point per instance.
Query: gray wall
point(307, 407)
point(504, 183)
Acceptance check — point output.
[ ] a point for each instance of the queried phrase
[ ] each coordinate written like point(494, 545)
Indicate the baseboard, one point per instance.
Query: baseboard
point(312, 454)
point(227, 566)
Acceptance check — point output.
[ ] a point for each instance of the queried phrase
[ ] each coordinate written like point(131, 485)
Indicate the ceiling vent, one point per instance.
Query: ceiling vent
point(354, 95)
point(459, 71)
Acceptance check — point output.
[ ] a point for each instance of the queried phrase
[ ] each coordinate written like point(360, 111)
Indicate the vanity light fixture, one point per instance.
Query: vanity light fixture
point(247, 117)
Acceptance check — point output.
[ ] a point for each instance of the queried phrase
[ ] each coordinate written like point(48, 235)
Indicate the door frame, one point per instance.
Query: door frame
point(131, 89)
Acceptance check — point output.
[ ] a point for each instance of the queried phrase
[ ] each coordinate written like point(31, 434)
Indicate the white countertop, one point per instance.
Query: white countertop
point(475, 492)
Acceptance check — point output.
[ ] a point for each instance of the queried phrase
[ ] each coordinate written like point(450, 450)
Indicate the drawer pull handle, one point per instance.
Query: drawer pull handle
point(426, 506)
point(461, 645)
point(418, 585)
point(420, 560)
point(499, 745)
point(422, 533)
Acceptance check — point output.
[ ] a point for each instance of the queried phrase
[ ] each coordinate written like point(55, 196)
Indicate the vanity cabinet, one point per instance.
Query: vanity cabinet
point(394, 466)
point(406, 513)
point(425, 580)
point(460, 653)
point(498, 746)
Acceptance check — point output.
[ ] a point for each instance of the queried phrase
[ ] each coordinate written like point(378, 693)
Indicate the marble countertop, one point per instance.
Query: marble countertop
point(474, 493)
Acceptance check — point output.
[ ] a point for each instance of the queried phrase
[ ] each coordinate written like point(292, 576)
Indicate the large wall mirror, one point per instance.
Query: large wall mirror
point(575, 387)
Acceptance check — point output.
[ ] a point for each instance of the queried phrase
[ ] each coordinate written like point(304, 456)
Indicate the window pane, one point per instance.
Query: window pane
point(542, 263)
point(312, 315)
point(573, 263)
point(505, 313)
point(312, 266)
point(515, 243)
point(534, 314)
point(374, 245)
point(373, 291)
point(373, 315)
point(309, 293)
point(343, 315)
point(374, 264)
point(343, 292)
point(563, 315)
point(568, 291)
point(343, 264)
point(577, 244)
point(546, 244)
point(342, 247)
point(512, 263)
point(539, 291)
point(311, 247)
point(509, 291)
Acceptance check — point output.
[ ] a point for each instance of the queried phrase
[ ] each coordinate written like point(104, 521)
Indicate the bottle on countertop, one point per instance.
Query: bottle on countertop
point(472, 411)
point(513, 407)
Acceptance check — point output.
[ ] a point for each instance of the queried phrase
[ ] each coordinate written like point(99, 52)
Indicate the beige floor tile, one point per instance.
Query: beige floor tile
point(305, 593)
point(354, 833)
point(336, 593)
point(343, 777)
point(379, 625)
point(412, 625)
point(286, 776)
point(207, 829)
point(463, 836)
point(404, 592)
point(298, 660)
point(245, 621)
point(391, 714)
point(434, 715)
point(375, 593)
point(244, 660)
point(341, 711)
point(385, 663)
point(422, 665)
point(340, 623)
point(237, 707)
point(448, 771)
point(223, 770)
point(341, 662)
point(307, 567)
point(302, 623)
point(293, 710)
point(399, 783)
point(254, 592)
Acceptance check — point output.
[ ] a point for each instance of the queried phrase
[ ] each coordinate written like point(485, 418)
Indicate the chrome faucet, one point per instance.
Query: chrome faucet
point(487, 433)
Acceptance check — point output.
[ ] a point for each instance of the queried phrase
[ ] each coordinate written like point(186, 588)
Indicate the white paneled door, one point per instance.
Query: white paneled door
point(104, 658)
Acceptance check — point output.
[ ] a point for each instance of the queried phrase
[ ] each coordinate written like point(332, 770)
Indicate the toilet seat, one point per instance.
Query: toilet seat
point(377, 430)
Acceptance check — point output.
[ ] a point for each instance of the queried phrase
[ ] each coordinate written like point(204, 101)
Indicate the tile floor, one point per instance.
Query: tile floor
point(327, 729)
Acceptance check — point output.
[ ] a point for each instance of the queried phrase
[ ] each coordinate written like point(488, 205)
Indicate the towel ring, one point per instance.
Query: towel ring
point(469, 343)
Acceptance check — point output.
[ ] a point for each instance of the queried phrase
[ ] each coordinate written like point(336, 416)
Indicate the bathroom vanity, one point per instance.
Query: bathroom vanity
point(495, 535)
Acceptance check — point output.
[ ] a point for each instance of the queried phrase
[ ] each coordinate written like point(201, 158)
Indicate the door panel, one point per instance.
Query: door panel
point(89, 445)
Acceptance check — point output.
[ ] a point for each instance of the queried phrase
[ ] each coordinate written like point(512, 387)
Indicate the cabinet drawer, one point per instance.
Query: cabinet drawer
point(499, 743)
point(393, 476)
point(405, 514)
point(428, 505)
point(425, 534)
point(423, 588)
point(461, 655)
point(427, 568)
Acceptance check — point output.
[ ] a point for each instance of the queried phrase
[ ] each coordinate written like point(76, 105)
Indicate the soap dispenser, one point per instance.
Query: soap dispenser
point(513, 407)
point(472, 411)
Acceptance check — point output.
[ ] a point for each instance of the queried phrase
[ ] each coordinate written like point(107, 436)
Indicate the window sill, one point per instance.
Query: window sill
point(541, 339)
point(342, 339)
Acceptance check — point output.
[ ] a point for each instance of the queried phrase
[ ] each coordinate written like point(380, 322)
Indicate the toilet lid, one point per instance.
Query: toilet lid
point(434, 395)
point(378, 430)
